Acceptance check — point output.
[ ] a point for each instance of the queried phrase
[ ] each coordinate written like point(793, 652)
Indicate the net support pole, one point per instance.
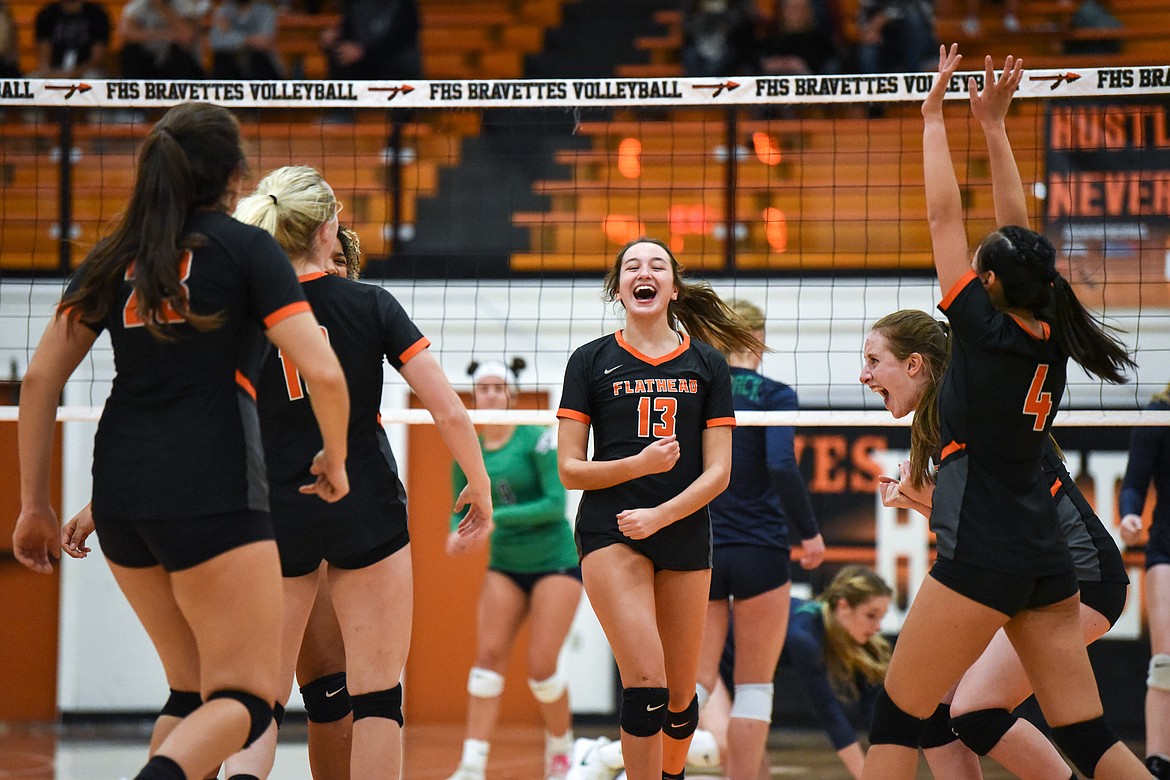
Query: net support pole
point(729, 186)
point(65, 193)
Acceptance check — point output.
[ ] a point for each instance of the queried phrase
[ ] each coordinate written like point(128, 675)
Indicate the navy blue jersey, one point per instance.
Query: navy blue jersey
point(1094, 553)
point(179, 435)
point(365, 326)
point(804, 652)
point(630, 399)
point(992, 505)
point(1149, 459)
point(767, 490)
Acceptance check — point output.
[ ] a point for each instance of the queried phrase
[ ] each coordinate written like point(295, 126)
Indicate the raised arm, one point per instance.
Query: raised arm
point(944, 208)
point(990, 107)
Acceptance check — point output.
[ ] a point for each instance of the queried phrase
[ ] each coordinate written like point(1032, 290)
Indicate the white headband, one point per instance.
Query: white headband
point(492, 369)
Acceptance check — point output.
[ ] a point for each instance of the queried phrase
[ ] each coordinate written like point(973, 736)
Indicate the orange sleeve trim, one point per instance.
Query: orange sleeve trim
point(572, 414)
point(311, 276)
point(414, 349)
point(721, 422)
point(1056, 486)
point(949, 298)
point(243, 382)
point(284, 312)
point(951, 449)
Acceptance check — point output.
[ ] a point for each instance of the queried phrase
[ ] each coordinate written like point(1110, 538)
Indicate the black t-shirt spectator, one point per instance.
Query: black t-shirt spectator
point(72, 29)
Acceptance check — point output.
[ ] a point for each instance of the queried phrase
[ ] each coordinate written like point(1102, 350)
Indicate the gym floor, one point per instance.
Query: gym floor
point(109, 751)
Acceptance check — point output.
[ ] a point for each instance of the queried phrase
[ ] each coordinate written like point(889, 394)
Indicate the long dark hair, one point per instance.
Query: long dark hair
point(699, 309)
point(1025, 263)
point(185, 164)
point(908, 331)
point(844, 658)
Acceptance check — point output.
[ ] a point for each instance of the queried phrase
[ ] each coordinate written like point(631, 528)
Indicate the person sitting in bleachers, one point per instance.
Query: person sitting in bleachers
point(799, 40)
point(160, 39)
point(895, 36)
point(718, 38)
point(9, 51)
point(374, 40)
point(73, 37)
point(243, 41)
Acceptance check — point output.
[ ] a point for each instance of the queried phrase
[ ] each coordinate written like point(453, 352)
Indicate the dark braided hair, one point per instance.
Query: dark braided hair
point(1025, 264)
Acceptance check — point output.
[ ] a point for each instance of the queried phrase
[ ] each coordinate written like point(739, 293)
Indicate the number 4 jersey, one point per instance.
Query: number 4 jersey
point(992, 505)
point(630, 400)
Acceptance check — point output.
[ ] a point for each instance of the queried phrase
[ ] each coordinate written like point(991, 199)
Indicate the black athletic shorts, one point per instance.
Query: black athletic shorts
point(179, 543)
point(304, 546)
point(695, 555)
point(1158, 547)
point(1006, 593)
point(741, 571)
point(1108, 598)
point(526, 581)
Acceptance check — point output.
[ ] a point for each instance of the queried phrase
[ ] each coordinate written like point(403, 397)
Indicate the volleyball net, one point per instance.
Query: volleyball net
point(492, 209)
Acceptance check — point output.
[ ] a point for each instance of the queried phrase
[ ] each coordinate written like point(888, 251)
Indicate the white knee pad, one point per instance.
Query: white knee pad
point(753, 701)
point(484, 683)
point(702, 694)
point(547, 691)
point(1159, 672)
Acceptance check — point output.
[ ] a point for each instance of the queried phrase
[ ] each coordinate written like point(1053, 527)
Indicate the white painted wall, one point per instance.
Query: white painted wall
point(815, 327)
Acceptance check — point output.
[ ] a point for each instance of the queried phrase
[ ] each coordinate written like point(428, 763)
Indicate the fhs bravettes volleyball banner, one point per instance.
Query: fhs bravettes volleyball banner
point(544, 93)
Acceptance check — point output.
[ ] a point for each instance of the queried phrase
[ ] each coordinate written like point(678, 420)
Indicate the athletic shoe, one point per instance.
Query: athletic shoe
point(465, 772)
point(586, 763)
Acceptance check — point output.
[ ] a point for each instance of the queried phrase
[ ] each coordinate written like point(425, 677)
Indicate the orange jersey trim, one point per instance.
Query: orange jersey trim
point(414, 349)
point(1055, 487)
point(720, 422)
point(284, 312)
point(243, 382)
point(654, 361)
point(951, 449)
point(1045, 329)
point(572, 414)
point(949, 298)
point(311, 276)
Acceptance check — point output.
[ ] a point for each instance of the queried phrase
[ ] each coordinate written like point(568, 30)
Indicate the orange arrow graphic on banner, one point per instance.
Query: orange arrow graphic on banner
point(1058, 79)
point(728, 85)
point(394, 91)
point(70, 89)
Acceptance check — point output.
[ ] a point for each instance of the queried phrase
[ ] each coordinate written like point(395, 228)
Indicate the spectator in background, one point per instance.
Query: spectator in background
point(718, 38)
point(9, 52)
point(895, 36)
point(375, 40)
point(160, 39)
point(243, 41)
point(800, 40)
point(73, 37)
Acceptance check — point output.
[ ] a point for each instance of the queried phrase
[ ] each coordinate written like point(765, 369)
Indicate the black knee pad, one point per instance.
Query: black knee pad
point(1085, 742)
point(982, 730)
point(259, 711)
point(379, 704)
point(643, 710)
point(1159, 766)
point(278, 713)
point(938, 729)
point(326, 698)
point(894, 726)
point(180, 704)
point(680, 725)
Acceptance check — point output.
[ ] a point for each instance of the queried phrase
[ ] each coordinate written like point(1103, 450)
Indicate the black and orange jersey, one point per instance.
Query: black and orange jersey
point(365, 325)
point(179, 436)
point(630, 399)
point(1094, 553)
point(992, 505)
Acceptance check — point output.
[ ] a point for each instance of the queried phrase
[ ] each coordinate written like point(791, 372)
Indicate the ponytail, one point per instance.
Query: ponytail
point(1087, 341)
point(186, 163)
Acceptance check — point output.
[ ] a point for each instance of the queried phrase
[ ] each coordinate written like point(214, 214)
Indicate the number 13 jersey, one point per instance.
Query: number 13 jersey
point(630, 400)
